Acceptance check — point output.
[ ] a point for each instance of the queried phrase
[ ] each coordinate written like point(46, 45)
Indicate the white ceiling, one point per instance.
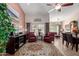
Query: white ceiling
point(35, 8)
point(65, 14)
point(41, 9)
point(67, 10)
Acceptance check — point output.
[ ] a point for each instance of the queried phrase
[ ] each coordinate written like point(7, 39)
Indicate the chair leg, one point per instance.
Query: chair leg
point(72, 46)
point(76, 47)
point(67, 44)
point(63, 41)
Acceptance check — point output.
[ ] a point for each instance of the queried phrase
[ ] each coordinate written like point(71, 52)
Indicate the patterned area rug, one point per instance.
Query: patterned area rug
point(38, 48)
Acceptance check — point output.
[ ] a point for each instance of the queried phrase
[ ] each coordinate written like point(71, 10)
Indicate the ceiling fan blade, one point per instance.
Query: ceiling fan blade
point(51, 10)
point(67, 4)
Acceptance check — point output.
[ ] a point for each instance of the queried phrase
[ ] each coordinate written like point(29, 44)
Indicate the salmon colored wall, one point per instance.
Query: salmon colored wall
point(21, 13)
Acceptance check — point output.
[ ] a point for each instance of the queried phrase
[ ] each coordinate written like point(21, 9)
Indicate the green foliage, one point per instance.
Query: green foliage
point(5, 26)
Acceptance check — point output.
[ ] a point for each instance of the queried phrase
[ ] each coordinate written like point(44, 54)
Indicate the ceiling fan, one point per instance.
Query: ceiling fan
point(67, 4)
point(58, 6)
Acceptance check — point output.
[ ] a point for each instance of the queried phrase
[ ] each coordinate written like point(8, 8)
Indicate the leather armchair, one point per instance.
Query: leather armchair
point(49, 37)
point(31, 37)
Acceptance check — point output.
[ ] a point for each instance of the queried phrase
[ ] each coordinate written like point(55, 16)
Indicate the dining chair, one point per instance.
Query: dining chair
point(64, 38)
point(70, 40)
point(76, 38)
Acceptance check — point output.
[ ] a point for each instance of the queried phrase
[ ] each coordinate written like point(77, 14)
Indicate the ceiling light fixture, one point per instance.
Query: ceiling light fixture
point(57, 7)
point(51, 10)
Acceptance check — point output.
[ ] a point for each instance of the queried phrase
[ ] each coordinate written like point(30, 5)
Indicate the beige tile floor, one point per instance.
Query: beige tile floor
point(39, 48)
point(64, 50)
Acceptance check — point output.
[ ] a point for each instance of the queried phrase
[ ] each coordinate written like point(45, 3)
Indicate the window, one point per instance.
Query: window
point(52, 27)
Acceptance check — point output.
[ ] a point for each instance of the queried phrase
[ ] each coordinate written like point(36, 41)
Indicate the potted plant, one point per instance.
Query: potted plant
point(6, 27)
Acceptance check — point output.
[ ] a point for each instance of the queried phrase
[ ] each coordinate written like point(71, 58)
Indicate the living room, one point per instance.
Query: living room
point(38, 29)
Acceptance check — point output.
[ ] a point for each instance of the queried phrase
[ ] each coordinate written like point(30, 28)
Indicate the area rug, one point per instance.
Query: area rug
point(38, 48)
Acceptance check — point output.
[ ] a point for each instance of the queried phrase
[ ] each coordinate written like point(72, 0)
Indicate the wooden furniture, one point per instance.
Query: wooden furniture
point(71, 38)
point(76, 38)
point(15, 42)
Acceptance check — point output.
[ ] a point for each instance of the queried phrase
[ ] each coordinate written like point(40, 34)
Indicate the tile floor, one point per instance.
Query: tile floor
point(38, 48)
point(64, 50)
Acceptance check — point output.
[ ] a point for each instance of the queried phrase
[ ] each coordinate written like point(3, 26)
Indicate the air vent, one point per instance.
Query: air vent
point(37, 20)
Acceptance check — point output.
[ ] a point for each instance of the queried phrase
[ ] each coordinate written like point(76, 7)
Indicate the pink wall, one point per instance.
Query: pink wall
point(21, 13)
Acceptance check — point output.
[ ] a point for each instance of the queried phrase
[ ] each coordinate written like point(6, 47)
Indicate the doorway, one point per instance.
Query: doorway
point(37, 27)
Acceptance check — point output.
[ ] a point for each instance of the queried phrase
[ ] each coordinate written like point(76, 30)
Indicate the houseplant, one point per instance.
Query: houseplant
point(6, 26)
